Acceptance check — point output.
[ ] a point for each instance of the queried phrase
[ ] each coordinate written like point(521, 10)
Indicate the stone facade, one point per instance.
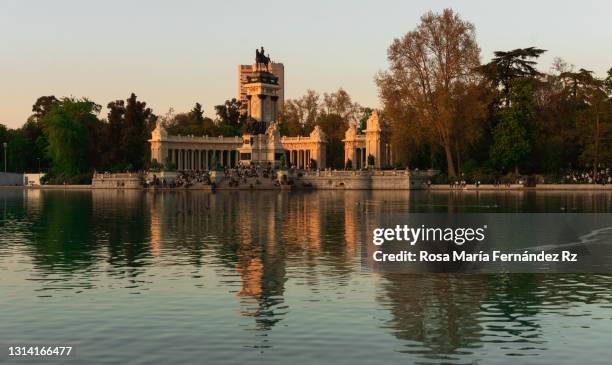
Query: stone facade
point(358, 146)
point(261, 145)
point(244, 71)
point(365, 180)
point(196, 153)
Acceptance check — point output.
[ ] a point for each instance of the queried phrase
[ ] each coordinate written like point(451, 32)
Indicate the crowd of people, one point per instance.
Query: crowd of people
point(601, 176)
point(235, 176)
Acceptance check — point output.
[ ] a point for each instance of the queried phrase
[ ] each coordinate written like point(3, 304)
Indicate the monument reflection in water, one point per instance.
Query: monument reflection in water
point(259, 277)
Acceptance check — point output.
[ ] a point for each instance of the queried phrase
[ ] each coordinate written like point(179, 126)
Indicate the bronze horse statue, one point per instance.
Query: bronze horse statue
point(261, 60)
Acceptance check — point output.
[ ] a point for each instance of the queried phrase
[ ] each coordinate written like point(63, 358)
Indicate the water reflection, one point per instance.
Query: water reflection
point(270, 256)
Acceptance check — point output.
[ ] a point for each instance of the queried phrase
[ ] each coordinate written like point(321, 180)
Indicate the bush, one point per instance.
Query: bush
point(52, 178)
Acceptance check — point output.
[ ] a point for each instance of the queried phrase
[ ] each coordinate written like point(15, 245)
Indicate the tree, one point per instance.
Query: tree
point(365, 113)
point(591, 97)
point(299, 116)
point(231, 113)
point(427, 67)
point(43, 105)
point(4, 138)
point(65, 127)
point(197, 113)
point(507, 66)
point(116, 123)
point(334, 127)
point(512, 140)
point(340, 103)
point(138, 124)
point(192, 123)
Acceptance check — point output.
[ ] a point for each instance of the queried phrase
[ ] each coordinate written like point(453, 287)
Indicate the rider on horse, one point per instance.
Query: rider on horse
point(261, 58)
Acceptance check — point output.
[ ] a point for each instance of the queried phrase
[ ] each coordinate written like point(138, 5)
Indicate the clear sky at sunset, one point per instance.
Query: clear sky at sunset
point(176, 53)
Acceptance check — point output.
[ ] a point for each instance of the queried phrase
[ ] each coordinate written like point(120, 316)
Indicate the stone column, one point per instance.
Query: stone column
point(301, 159)
point(274, 102)
point(262, 100)
point(364, 160)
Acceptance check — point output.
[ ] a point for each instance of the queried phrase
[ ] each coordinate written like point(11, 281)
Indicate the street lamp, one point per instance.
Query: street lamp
point(5, 145)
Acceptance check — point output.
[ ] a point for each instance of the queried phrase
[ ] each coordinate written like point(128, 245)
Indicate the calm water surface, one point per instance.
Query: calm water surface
point(267, 277)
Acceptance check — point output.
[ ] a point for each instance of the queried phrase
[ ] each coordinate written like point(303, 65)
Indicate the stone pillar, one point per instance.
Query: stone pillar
point(274, 102)
point(301, 159)
point(262, 101)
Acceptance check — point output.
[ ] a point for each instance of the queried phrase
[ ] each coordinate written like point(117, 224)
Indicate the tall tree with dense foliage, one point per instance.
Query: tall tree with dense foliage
point(65, 127)
point(334, 126)
point(138, 124)
point(512, 137)
point(427, 67)
point(192, 123)
point(592, 99)
point(509, 65)
point(116, 122)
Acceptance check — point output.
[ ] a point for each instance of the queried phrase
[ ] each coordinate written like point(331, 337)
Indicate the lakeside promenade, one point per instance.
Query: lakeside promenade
point(436, 187)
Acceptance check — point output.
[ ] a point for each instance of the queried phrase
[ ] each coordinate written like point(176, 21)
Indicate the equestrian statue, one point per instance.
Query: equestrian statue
point(261, 60)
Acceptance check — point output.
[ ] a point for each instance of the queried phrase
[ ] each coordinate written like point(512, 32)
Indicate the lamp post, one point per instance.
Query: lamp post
point(5, 145)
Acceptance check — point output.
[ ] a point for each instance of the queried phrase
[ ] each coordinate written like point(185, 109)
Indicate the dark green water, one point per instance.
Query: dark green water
point(266, 277)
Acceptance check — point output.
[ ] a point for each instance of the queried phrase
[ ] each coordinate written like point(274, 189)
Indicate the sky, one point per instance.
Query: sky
point(176, 53)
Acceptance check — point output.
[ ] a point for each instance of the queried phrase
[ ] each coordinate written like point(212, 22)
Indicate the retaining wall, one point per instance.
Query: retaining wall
point(11, 179)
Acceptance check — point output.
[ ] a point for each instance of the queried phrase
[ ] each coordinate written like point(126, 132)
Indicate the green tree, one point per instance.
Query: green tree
point(590, 96)
point(509, 65)
point(231, 113)
point(138, 124)
point(116, 122)
point(512, 136)
point(192, 123)
point(65, 127)
point(334, 127)
point(43, 105)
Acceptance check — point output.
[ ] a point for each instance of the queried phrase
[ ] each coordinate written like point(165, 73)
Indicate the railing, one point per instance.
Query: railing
point(118, 175)
point(347, 173)
point(192, 138)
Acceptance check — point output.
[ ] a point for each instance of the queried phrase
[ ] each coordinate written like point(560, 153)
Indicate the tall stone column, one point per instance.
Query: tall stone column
point(274, 106)
point(262, 102)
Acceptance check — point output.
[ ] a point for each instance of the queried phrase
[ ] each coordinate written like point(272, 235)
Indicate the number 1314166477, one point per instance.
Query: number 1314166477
point(39, 351)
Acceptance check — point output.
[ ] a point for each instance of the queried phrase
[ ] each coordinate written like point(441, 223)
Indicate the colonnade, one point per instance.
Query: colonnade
point(197, 159)
point(360, 159)
point(298, 158)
